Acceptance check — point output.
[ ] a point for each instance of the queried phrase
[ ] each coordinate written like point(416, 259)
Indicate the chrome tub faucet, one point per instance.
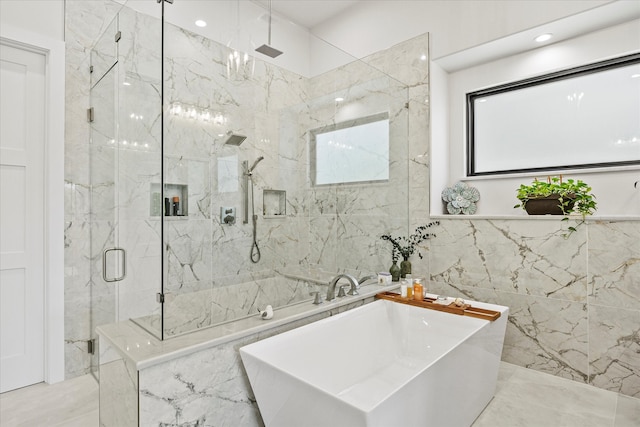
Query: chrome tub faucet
point(331, 292)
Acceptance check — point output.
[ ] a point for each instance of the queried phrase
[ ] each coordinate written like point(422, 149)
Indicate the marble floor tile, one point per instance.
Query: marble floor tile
point(627, 412)
point(68, 403)
point(529, 398)
point(524, 398)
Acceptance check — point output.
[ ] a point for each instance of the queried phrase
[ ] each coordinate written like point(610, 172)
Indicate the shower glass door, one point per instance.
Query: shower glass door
point(125, 174)
point(103, 158)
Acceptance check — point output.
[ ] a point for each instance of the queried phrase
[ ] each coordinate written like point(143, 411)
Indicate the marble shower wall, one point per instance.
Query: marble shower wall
point(200, 309)
point(203, 253)
point(346, 221)
point(574, 303)
point(330, 228)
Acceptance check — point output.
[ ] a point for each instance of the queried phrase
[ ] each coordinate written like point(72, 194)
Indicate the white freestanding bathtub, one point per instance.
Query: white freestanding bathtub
point(384, 364)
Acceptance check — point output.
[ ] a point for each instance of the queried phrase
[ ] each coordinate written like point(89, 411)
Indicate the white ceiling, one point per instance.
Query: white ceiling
point(308, 13)
point(372, 25)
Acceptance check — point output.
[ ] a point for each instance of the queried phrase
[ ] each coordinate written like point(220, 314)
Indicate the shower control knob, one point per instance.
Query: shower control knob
point(228, 215)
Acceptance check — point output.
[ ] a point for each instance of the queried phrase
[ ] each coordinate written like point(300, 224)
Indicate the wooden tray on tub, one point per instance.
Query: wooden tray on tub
point(464, 310)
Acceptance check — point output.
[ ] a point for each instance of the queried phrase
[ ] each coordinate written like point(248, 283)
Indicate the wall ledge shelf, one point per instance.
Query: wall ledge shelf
point(593, 218)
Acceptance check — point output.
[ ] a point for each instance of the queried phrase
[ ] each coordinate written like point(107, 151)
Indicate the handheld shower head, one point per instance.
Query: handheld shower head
point(253, 166)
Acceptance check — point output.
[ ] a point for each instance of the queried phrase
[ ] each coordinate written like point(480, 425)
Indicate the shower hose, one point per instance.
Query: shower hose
point(255, 250)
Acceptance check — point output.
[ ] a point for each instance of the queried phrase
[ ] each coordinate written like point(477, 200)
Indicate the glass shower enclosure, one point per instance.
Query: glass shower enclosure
point(169, 245)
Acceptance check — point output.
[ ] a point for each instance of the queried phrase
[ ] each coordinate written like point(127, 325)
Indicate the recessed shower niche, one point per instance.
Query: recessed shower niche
point(274, 203)
point(175, 203)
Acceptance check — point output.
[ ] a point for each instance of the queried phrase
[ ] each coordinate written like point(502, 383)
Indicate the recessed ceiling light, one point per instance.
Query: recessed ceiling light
point(543, 37)
point(635, 76)
point(339, 99)
point(423, 57)
point(201, 23)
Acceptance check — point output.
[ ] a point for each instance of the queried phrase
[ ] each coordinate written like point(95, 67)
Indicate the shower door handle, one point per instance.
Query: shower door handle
point(104, 265)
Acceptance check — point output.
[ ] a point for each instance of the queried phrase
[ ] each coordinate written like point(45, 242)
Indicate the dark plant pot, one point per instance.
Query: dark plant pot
point(395, 272)
point(405, 268)
point(549, 205)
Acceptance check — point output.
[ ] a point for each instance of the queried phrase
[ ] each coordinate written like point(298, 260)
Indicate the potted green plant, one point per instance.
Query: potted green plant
point(557, 197)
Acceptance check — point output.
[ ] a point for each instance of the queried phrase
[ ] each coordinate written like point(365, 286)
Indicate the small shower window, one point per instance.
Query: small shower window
point(351, 151)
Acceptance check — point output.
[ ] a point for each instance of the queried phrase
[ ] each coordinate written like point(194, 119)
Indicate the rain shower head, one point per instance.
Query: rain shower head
point(234, 139)
point(266, 49)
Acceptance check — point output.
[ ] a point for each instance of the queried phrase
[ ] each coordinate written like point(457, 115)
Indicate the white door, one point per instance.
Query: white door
point(22, 115)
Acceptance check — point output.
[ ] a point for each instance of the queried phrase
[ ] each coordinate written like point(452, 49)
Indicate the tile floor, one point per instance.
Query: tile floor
point(524, 398)
point(71, 403)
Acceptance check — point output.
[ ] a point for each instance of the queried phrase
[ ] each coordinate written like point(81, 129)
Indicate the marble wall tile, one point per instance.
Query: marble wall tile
point(140, 47)
point(375, 199)
point(527, 257)
point(419, 158)
point(183, 312)
point(118, 388)
point(285, 241)
point(324, 233)
point(547, 335)
point(77, 323)
point(346, 221)
point(189, 254)
point(77, 196)
point(232, 246)
point(137, 292)
point(614, 264)
point(544, 334)
point(77, 253)
point(340, 80)
point(86, 21)
point(533, 337)
point(408, 61)
point(362, 233)
point(323, 201)
point(77, 298)
point(614, 349)
point(204, 388)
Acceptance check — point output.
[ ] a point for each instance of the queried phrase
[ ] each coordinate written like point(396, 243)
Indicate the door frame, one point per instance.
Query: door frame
point(54, 52)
